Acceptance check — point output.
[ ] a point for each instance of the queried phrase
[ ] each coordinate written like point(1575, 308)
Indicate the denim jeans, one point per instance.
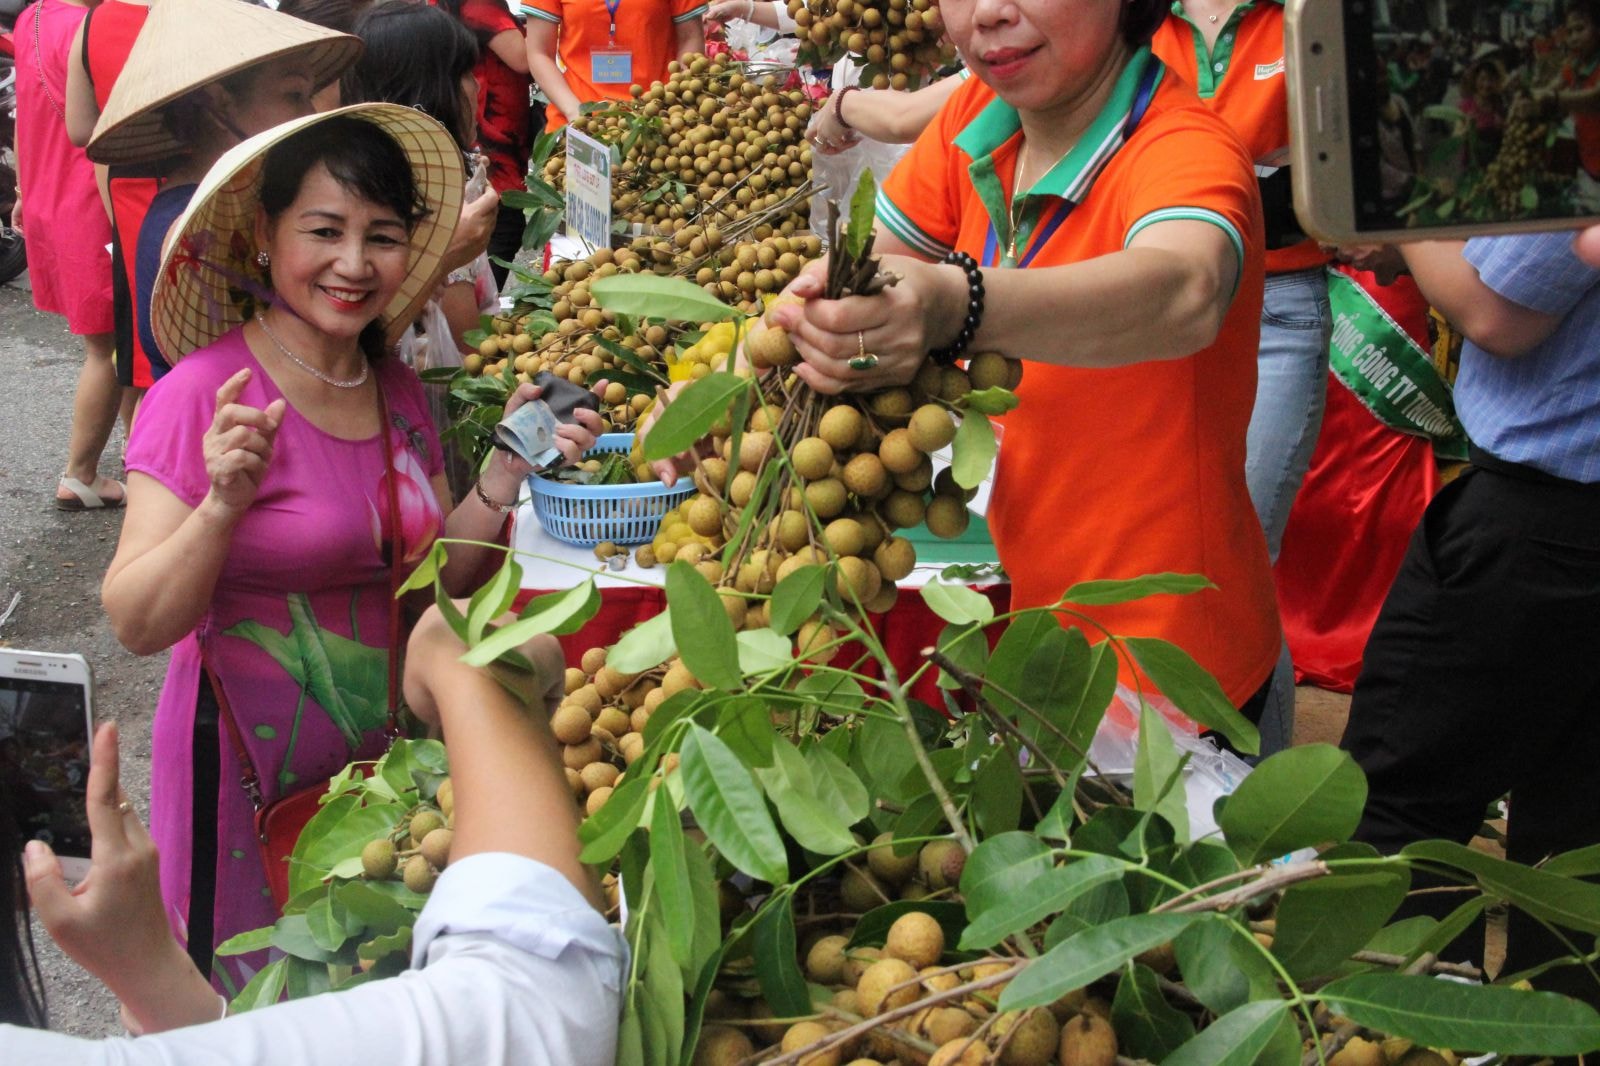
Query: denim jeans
point(1291, 391)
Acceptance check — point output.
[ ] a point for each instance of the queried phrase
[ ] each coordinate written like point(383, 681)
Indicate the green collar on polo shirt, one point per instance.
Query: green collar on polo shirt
point(1212, 66)
point(1074, 174)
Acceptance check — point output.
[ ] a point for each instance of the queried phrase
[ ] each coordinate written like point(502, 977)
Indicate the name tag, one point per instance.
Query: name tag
point(611, 66)
point(1269, 70)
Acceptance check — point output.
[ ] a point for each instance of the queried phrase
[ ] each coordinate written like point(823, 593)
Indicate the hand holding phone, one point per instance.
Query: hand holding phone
point(46, 719)
point(1425, 130)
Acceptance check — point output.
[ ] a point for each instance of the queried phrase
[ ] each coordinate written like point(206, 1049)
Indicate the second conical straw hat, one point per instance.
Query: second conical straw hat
point(187, 44)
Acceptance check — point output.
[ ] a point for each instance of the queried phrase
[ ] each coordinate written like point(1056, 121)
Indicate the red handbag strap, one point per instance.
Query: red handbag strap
point(249, 778)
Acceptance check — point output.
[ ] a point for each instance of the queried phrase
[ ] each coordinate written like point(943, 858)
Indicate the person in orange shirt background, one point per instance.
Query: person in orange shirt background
point(1075, 206)
point(584, 51)
point(1232, 52)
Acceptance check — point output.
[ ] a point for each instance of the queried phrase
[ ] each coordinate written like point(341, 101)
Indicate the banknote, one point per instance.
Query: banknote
point(530, 433)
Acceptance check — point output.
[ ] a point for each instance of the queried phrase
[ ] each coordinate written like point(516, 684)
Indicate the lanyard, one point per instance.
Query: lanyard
point(1064, 207)
point(612, 7)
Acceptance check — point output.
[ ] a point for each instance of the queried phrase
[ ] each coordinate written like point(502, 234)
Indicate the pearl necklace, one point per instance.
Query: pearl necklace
point(338, 383)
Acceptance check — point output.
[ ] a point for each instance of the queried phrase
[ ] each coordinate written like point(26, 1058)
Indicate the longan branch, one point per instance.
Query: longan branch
point(1271, 880)
point(844, 1036)
point(974, 690)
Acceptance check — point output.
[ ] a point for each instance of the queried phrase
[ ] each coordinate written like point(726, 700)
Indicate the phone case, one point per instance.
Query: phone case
point(563, 397)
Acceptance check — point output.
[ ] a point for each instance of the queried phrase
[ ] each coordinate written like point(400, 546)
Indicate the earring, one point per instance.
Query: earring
point(263, 260)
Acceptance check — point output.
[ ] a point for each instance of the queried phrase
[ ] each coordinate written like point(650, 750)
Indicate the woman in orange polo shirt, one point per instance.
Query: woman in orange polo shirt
point(1231, 52)
point(1128, 275)
point(582, 51)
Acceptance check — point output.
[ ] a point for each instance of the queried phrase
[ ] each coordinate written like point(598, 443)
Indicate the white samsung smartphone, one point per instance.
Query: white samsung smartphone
point(46, 724)
point(1420, 120)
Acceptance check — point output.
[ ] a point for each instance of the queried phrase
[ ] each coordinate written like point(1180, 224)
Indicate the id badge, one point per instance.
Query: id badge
point(611, 66)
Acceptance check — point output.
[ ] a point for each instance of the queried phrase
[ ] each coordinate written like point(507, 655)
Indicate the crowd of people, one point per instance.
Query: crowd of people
point(275, 219)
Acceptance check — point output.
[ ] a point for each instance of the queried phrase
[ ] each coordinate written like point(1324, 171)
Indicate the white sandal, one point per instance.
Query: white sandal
point(86, 498)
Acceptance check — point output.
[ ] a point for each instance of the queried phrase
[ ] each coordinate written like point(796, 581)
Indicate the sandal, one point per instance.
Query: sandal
point(85, 498)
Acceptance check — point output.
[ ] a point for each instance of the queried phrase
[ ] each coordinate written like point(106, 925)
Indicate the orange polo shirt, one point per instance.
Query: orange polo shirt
point(645, 28)
point(1243, 79)
point(1115, 473)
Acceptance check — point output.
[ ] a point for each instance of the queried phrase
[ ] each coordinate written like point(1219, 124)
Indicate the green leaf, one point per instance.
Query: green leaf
point(692, 414)
point(379, 947)
point(957, 603)
point(1584, 862)
point(652, 296)
point(730, 808)
point(1088, 956)
point(1195, 692)
point(245, 943)
point(990, 402)
point(1295, 799)
point(427, 571)
point(1466, 1017)
point(374, 909)
point(886, 757)
point(493, 599)
point(645, 646)
point(1561, 900)
point(1158, 772)
point(873, 927)
point(671, 869)
point(837, 786)
point(1000, 867)
point(1103, 593)
point(1148, 1027)
point(776, 956)
point(605, 832)
point(702, 629)
point(967, 647)
point(761, 651)
point(557, 613)
point(341, 828)
point(746, 725)
point(1238, 1038)
point(1530, 197)
point(264, 989)
point(706, 915)
point(1322, 923)
point(1222, 966)
point(1036, 899)
point(863, 215)
point(797, 598)
point(663, 990)
point(997, 792)
point(973, 451)
point(1099, 905)
point(789, 784)
point(292, 936)
point(330, 923)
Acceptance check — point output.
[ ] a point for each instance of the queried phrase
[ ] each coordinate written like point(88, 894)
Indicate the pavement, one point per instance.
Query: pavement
point(56, 559)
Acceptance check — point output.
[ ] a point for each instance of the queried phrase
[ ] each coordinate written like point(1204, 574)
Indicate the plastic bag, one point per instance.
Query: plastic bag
point(838, 175)
point(1210, 773)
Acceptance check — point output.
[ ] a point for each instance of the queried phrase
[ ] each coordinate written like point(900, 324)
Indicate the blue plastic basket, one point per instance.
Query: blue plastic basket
point(586, 515)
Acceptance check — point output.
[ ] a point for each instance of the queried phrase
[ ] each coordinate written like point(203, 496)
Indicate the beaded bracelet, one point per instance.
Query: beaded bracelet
point(838, 106)
point(969, 325)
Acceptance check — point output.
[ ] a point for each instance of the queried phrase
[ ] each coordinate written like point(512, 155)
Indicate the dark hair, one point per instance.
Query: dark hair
point(339, 15)
point(1588, 9)
point(21, 988)
point(416, 55)
point(453, 9)
point(362, 158)
point(1141, 19)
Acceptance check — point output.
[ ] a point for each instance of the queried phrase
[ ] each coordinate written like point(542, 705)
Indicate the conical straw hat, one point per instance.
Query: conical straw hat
point(187, 44)
point(209, 281)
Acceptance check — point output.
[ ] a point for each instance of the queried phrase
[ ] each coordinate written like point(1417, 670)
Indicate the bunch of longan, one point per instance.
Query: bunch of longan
point(898, 42)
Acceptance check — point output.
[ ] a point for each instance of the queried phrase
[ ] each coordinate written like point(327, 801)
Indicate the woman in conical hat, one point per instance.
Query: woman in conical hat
point(278, 477)
point(202, 76)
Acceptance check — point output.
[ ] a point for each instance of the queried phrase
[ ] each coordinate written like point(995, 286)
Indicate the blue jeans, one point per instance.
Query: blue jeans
point(1291, 392)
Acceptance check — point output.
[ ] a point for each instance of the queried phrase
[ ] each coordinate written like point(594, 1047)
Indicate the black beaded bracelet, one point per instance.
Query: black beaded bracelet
point(969, 325)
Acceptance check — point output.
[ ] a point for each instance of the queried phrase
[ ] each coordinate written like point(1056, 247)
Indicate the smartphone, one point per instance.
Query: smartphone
point(46, 725)
point(1417, 120)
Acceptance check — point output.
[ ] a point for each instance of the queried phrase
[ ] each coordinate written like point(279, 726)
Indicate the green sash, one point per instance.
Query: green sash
point(1387, 370)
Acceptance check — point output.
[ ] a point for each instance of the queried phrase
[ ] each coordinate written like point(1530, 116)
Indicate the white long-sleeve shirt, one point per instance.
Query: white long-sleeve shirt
point(512, 967)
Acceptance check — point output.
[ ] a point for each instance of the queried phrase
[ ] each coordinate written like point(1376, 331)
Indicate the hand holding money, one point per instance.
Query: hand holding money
point(530, 437)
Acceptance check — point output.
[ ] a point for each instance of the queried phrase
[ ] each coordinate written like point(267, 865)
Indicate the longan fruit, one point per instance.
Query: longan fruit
point(857, 580)
point(632, 745)
point(941, 863)
point(895, 558)
point(578, 756)
point(574, 782)
point(754, 449)
point(825, 961)
point(705, 516)
point(722, 1045)
point(614, 720)
point(812, 458)
point(571, 724)
point(947, 517)
point(575, 679)
point(873, 991)
point(888, 867)
point(931, 428)
point(804, 1034)
point(898, 453)
point(827, 498)
point(865, 475)
point(989, 370)
point(841, 426)
point(859, 890)
point(844, 536)
point(1035, 1036)
point(1087, 1040)
point(904, 510)
point(915, 938)
point(1358, 1052)
point(418, 875)
point(893, 406)
point(856, 961)
point(596, 800)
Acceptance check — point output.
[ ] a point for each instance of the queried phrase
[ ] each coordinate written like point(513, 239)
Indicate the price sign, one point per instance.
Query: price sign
point(588, 190)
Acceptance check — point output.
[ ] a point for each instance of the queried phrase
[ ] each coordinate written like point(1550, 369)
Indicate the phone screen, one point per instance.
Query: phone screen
point(44, 761)
point(1454, 115)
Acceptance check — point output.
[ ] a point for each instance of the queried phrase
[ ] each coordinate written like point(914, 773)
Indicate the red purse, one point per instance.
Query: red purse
point(278, 824)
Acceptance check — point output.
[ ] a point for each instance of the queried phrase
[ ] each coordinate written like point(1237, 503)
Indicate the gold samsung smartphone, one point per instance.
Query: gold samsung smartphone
point(1428, 119)
point(46, 722)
